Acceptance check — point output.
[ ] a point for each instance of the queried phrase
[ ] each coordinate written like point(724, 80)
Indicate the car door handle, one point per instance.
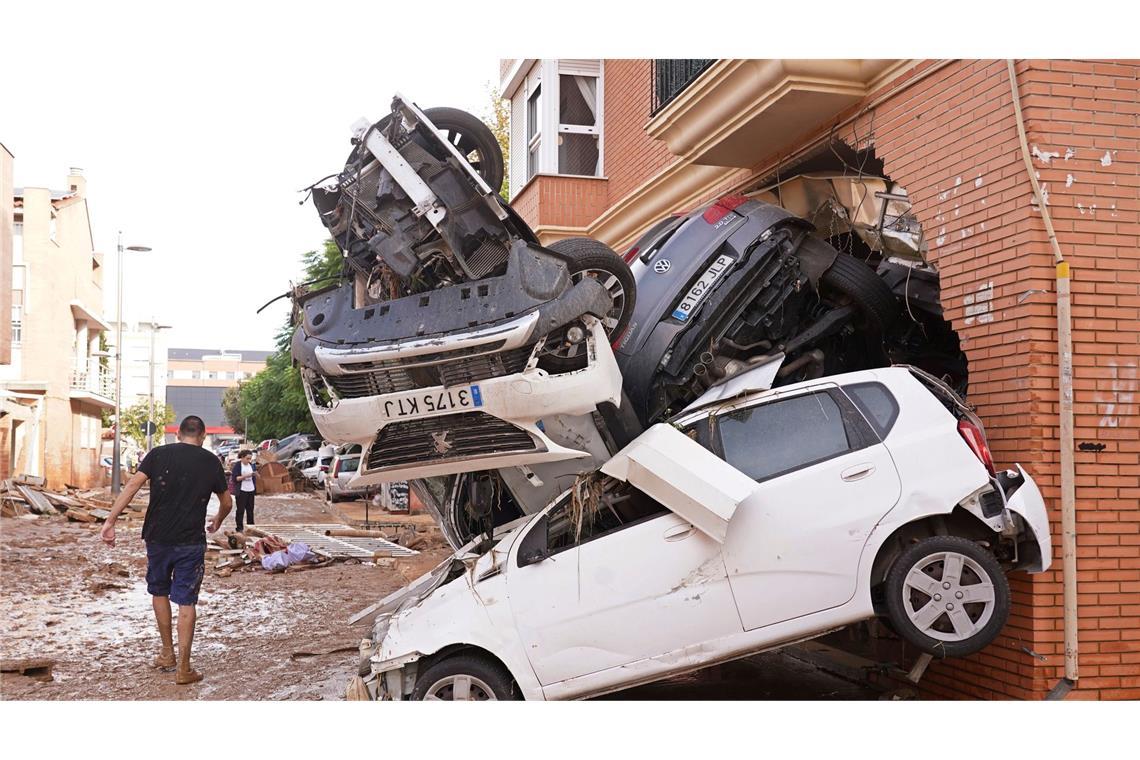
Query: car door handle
point(678, 532)
point(858, 472)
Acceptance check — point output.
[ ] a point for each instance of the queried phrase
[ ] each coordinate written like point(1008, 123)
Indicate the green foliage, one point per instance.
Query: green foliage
point(272, 402)
point(135, 417)
point(498, 118)
point(231, 407)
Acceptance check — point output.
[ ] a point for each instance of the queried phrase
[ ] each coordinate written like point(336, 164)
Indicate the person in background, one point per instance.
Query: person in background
point(182, 476)
point(244, 477)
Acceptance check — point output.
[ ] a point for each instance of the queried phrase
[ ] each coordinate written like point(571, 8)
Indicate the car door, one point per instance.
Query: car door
point(645, 585)
point(824, 480)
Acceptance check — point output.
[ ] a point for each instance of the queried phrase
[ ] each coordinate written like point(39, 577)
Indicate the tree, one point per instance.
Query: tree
point(136, 416)
point(272, 402)
point(231, 407)
point(498, 118)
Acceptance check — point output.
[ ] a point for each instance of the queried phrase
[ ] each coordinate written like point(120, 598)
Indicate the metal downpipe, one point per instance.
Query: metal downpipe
point(1065, 362)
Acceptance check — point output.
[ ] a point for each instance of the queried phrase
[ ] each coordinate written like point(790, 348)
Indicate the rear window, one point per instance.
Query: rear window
point(876, 403)
point(350, 465)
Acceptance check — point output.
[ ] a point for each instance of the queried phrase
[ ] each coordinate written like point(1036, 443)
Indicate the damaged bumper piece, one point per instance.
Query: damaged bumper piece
point(460, 379)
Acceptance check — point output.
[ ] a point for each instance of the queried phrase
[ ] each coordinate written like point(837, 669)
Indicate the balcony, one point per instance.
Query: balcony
point(96, 386)
point(672, 75)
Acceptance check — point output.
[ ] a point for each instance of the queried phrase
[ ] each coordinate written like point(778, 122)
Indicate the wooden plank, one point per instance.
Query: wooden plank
point(36, 500)
point(39, 668)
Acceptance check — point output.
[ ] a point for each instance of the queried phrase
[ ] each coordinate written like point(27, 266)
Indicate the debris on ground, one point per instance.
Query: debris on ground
point(28, 495)
point(39, 668)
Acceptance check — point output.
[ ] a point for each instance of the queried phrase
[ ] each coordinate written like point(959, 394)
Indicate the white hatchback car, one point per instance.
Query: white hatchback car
point(751, 522)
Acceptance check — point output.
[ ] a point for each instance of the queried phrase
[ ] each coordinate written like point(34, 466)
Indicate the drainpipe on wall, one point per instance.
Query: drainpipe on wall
point(1065, 361)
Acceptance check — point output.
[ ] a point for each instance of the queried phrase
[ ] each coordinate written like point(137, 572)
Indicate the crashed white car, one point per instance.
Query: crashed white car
point(755, 520)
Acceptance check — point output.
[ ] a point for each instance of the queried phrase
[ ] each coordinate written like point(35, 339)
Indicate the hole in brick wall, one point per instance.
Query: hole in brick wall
point(837, 183)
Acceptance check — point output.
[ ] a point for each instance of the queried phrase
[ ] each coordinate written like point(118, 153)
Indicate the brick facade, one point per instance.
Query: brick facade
point(949, 137)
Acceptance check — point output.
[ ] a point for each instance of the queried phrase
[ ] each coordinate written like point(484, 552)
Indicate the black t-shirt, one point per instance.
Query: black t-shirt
point(182, 477)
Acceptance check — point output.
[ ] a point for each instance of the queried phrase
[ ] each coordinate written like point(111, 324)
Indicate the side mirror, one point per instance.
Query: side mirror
point(533, 548)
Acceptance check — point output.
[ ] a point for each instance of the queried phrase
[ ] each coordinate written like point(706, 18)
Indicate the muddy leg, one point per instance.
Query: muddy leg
point(165, 659)
point(187, 615)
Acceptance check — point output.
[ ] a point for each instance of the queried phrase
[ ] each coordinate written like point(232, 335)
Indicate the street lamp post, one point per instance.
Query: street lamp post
point(116, 463)
point(154, 328)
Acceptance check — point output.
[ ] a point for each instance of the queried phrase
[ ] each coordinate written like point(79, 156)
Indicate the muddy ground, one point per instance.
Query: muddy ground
point(67, 597)
point(63, 599)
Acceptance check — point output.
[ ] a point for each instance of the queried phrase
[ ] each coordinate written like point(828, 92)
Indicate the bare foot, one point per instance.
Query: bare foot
point(187, 676)
point(165, 662)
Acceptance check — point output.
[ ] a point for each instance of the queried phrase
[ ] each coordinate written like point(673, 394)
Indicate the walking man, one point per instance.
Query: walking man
point(182, 476)
point(245, 482)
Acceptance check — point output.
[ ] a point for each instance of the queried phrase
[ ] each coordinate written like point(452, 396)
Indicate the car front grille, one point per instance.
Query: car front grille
point(452, 436)
point(446, 369)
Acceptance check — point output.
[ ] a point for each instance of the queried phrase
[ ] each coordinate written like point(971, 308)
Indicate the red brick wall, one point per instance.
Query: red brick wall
point(951, 141)
point(631, 156)
point(562, 201)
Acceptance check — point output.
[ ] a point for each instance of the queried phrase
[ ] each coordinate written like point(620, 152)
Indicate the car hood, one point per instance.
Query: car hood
point(684, 476)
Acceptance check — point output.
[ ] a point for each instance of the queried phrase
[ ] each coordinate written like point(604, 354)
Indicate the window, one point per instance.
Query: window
point(196, 375)
point(17, 317)
point(556, 111)
point(533, 130)
point(876, 403)
point(781, 436)
point(618, 505)
point(578, 134)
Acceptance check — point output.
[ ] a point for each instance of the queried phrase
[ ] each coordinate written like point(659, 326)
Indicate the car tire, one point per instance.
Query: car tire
point(919, 578)
point(483, 680)
point(587, 257)
point(473, 137)
point(866, 290)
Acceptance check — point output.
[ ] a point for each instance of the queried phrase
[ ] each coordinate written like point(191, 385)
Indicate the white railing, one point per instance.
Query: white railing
point(99, 381)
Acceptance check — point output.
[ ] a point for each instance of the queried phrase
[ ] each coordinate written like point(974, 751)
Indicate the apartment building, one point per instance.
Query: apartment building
point(197, 379)
point(144, 345)
point(55, 375)
point(606, 148)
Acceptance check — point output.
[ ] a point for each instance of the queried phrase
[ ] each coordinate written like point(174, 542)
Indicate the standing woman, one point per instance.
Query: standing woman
point(245, 481)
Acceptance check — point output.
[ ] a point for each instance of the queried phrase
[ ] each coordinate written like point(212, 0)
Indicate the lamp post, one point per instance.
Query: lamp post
point(116, 464)
point(154, 328)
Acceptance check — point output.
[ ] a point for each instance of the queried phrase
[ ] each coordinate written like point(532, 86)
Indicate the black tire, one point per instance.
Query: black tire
point(905, 600)
point(854, 279)
point(492, 675)
point(476, 142)
point(586, 255)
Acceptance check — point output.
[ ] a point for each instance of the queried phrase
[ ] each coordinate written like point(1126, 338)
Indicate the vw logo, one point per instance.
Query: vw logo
point(662, 266)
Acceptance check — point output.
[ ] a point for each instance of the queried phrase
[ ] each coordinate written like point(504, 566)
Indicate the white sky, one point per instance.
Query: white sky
point(196, 123)
point(194, 134)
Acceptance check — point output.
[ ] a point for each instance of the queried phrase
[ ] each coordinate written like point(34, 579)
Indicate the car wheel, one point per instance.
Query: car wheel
point(466, 678)
point(587, 257)
point(865, 289)
point(947, 596)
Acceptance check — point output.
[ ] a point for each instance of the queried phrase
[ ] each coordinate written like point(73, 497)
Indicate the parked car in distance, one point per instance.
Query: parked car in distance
point(267, 444)
point(315, 465)
point(291, 444)
point(754, 520)
point(342, 469)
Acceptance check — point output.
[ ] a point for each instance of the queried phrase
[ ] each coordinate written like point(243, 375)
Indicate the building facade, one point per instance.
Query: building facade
point(197, 379)
point(57, 296)
point(144, 345)
point(669, 136)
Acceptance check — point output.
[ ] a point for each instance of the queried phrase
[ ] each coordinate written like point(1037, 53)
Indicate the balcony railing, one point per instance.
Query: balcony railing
point(99, 381)
point(672, 75)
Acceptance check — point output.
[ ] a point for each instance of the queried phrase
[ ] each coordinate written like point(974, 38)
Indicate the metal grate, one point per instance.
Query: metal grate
point(392, 377)
point(452, 436)
point(672, 75)
point(340, 547)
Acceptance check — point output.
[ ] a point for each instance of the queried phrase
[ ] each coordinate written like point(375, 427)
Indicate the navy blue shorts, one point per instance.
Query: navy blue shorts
point(175, 571)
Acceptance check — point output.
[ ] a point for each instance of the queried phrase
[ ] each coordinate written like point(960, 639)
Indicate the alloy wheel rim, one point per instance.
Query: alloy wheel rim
point(948, 596)
point(614, 287)
point(460, 687)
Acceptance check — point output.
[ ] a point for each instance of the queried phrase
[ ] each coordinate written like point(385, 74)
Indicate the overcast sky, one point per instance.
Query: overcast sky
point(195, 133)
point(196, 124)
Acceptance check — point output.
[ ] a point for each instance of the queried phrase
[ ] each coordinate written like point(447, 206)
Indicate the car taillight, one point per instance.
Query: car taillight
point(976, 440)
point(630, 254)
point(324, 468)
point(336, 468)
point(720, 209)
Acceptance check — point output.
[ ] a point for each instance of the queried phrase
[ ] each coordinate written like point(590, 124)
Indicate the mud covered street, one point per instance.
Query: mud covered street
point(69, 598)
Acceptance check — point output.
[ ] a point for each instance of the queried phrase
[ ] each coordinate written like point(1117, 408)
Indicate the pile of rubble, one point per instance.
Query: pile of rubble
point(27, 496)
